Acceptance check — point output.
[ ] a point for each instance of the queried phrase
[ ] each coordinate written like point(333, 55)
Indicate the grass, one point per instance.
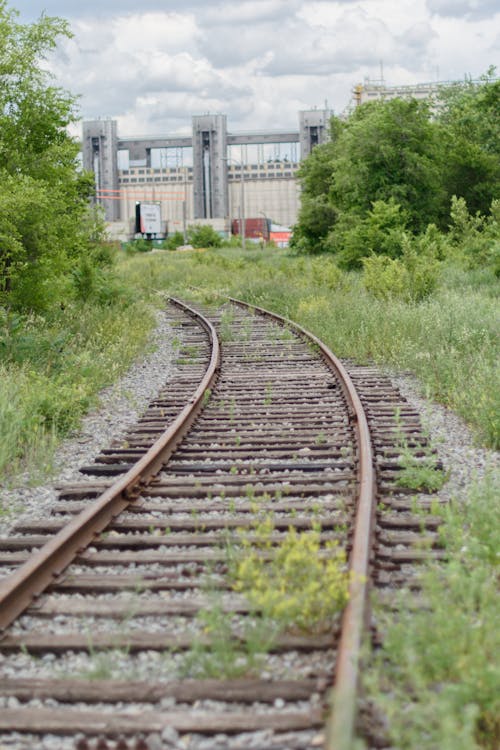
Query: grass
point(225, 655)
point(52, 368)
point(449, 341)
point(437, 678)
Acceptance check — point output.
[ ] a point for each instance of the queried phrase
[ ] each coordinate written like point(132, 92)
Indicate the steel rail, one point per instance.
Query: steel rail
point(33, 577)
point(342, 717)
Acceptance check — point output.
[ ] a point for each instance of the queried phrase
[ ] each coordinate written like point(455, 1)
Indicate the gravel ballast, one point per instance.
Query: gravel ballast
point(121, 405)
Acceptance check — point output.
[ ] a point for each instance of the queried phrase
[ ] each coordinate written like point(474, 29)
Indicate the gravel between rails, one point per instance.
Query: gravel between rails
point(120, 406)
point(123, 403)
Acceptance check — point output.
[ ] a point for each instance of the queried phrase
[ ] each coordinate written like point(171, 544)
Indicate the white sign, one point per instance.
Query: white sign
point(150, 218)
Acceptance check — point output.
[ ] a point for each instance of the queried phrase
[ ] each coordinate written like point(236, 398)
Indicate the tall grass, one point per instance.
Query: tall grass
point(437, 677)
point(51, 369)
point(449, 341)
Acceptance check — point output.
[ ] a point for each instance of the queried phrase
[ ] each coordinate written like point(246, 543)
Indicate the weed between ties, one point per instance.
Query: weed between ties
point(295, 585)
point(417, 473)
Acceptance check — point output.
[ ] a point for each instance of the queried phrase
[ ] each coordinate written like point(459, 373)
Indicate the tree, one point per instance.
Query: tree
point(317, 214)
point(395, 166)
point(469, 115)
point(389, 151)
point(43, 194)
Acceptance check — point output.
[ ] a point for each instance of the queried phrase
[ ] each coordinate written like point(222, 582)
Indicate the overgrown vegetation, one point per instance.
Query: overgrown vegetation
point(52, 368)
point(304, 585)
point(437, 676)
point(449, 339)
point(394, 171)
point(63, 312)
point(291, 584)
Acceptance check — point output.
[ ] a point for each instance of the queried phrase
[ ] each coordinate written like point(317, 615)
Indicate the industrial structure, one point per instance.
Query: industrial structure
point(370, 91)
point(213, 175)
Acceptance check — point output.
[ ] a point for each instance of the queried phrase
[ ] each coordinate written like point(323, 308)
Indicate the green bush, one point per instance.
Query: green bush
point(385, 278)
point(204, 236)
point(476, 238)
point(140, 245)
point(325, 272)
point(412, 278)
point(174, 241)
point(380, 232)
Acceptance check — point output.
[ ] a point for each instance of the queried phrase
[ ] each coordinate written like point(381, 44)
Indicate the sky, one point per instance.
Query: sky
point(152, 64)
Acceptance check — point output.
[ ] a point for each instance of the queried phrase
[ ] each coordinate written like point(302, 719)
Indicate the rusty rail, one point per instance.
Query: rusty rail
point(341, 721)
point(33, 577)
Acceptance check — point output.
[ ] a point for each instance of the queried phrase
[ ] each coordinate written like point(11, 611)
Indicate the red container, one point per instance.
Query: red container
point(257, 229)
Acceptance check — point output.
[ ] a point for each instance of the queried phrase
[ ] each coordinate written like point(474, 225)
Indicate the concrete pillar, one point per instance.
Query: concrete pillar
point(314, 128)
point(100, 151)
point(210, 166)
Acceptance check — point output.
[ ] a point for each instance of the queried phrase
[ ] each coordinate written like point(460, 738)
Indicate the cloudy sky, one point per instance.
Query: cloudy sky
point(152, 64)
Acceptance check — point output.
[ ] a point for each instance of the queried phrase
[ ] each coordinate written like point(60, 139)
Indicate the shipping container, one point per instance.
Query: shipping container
point(255, 228)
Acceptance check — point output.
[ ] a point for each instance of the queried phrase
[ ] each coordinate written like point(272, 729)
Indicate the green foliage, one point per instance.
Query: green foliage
point(93, 283)
point(469, 117)
point(174, 241)
point(389, 150)
point(384, 277)
point(476, 238)
point(316, 217)
point(204, 236)
point(52, 367)
point(393, 168)
point(412, 278)
point(419, 474)
point(44, 210)
point(437, 675)
point(300, 587)
point(223, 653)
point(449, 340)
point(381, 231)
point(140, 245)
point(324, 272)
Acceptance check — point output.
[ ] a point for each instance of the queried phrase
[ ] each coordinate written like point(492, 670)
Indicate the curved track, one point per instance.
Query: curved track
point(273, 425)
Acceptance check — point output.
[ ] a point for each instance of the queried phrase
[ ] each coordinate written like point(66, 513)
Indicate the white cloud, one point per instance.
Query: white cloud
point(154, 64)
point(467, 9)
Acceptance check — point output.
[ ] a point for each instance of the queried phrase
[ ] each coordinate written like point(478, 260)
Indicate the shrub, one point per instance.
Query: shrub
point(298, 588)
point(174, 241)
point(412, 278)
point(381, 232)
point(325, 272)
point(140, 245)
point(204, 236)
point(476, 238)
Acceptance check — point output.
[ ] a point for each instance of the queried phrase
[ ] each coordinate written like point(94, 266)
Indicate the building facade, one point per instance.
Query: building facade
point(212, 175)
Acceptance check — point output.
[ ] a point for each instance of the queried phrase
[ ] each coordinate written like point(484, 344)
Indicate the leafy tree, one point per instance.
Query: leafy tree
point(389, 150)
point(380, 232)
point(317, 214)
point(45, 221)
point(395, 166)
point(470, 118)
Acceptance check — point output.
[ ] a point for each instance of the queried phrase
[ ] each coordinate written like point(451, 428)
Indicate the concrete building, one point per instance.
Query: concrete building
point(370, 91)
point(212, 176)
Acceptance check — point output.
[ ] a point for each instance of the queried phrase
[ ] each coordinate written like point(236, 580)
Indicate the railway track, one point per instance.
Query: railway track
point(120, 623)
